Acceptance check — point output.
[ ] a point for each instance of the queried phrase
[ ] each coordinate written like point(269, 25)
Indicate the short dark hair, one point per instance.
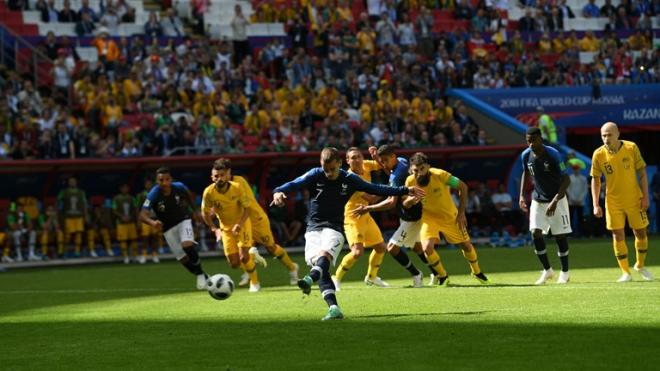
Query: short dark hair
point(163, 170)
point(533, 131)
point(386, 150)
point(351, 149)
point(329, 154)
point(419, 159)
point(222, 163)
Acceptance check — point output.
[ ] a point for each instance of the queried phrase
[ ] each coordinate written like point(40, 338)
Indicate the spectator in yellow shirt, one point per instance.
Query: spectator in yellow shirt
point(545, 44)
point(367, 39)
point(292, 106)
point(421, 108)
point(589, 43)
point(256, 119)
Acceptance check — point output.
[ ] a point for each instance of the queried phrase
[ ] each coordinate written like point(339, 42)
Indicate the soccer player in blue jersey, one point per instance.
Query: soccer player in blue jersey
point(549, 210)
point(331, 188)
point(407, 234)
point(172, 204)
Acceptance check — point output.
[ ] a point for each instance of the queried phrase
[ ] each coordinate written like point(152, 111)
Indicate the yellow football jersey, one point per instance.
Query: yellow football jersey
point(367, 167)
point(437, 203)
point(253, 204)
point(228, 207)
point(620, 170)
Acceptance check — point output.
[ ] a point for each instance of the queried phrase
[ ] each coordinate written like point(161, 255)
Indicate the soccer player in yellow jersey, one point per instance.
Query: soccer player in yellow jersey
point(626, 197)
point(261, 232)
point(439, 214)
point(361, 230)
point(229, 203)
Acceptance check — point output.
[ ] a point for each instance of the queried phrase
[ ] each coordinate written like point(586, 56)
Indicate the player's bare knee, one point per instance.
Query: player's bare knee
point(467, 247)
point(618, 235)
point(640, 234)
point(357, 252)
point(270, 248)
point(380, 248)
point(537, 233)
point(234, 260)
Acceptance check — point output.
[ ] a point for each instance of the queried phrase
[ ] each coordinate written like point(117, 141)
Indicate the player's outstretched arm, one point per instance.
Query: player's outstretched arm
point(279, 193)
point(382, 190)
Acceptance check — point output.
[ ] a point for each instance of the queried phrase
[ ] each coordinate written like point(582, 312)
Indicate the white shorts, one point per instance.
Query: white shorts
point(175, 236)
point(559, 223)
point(407, 234)
point(327, 240)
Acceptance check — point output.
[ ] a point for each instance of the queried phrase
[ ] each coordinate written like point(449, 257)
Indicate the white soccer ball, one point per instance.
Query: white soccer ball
point(220, 286)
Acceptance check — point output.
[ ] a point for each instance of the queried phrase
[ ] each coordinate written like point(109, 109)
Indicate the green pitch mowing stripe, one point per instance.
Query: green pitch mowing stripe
point(149, 317)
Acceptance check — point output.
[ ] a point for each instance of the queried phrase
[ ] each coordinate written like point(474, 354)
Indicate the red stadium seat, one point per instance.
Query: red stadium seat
point(97, 200)
point(250, 140)
point(493, 184)
point(50, 201)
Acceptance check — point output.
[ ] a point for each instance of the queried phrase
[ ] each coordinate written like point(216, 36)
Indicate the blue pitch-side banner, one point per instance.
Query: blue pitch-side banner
point(576, 107)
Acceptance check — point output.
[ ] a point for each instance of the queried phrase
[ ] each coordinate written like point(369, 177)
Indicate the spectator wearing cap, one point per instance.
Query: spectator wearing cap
point(107, 49)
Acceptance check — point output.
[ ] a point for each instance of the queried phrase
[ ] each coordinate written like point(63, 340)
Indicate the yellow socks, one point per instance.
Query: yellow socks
point(124, 248)
point(621, 253)
point(283, 256)
point(375, 260)
point(77, 240)
point(641, 247)
point(105, 236)
point(471, 257)
point(434, 262)
point(346, 264)
point(251, 270)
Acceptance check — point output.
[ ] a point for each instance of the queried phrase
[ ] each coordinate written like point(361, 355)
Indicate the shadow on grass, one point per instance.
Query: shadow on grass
point(353, 344)
point(420, 315)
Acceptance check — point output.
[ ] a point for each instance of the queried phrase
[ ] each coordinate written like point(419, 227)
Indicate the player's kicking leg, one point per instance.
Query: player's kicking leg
point(321, 248)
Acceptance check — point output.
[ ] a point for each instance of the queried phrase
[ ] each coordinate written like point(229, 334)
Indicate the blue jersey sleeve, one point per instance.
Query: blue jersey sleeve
point(374, 189)
point(151, 197)
point(555, 157)
point(400, 173)
point(523, 158)
point(300, 182)
point(180, 187)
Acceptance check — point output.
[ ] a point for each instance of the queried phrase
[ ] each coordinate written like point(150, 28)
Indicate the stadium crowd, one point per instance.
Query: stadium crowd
point(335, 81)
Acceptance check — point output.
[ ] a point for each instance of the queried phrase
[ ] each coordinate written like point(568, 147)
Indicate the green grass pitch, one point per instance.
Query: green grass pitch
point(150, 317)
